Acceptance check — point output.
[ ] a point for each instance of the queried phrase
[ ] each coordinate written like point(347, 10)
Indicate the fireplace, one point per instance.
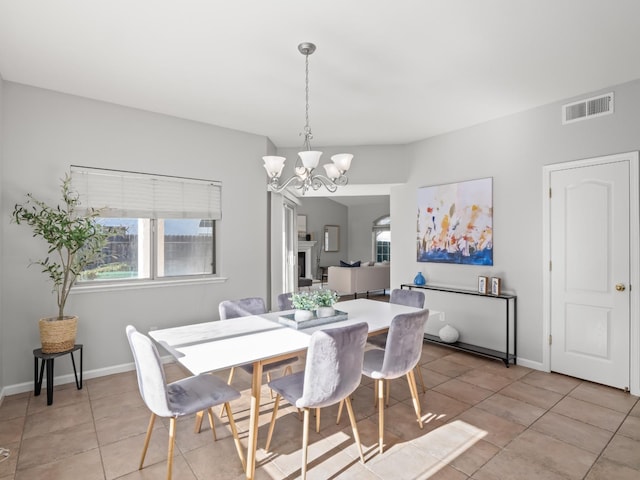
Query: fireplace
point(302, 264)
point(305, 258)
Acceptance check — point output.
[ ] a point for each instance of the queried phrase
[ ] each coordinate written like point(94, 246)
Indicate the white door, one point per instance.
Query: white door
point(589, 247)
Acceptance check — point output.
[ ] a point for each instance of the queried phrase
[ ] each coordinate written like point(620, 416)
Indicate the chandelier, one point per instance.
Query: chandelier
point(307, 161)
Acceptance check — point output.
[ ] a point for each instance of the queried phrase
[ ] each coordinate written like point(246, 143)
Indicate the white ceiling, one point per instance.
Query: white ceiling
point(385, 72)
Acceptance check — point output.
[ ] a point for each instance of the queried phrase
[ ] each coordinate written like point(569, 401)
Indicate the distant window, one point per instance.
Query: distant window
point(382, 239)
point(170, 234)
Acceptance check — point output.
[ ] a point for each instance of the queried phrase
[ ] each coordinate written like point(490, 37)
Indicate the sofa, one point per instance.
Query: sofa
point(363, 279)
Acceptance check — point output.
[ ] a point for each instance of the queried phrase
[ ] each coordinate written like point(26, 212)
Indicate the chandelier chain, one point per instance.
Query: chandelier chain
point(307, 128)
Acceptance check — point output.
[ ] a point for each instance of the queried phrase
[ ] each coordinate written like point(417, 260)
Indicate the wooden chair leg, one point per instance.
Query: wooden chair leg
point(305, 443)
point(388, 390)
point(229, 380)
point(339, 411)
point(414, 395)
point(212, 424)
point(268, 380)
point(380, 414)
point(234, 432)
point(354, 426)
point(146, 439)
point(420, 378)
point(317, 420)
point(172, 441)
point(375, 393)
point(198, 425)
point(272, 423)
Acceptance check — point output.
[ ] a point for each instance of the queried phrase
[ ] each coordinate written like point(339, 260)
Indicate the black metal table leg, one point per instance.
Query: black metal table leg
point(49, 362)
point(38, 385)
point(75, 373)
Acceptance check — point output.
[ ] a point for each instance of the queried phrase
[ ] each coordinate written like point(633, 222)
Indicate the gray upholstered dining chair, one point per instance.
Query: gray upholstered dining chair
point(400, 356)
point(332, 372)
point(229, 309)
point(409, 298)
point(241, 308)
point(183, 397)
point(284, 302)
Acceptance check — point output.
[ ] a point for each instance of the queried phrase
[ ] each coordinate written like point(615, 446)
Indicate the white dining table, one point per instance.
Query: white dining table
point(260, 340)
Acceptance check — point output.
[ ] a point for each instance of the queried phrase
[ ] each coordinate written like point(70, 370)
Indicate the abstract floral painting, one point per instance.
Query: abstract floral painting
point(455, 223)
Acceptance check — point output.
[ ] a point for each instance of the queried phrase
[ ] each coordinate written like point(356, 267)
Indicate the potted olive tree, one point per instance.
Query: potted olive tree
point(75, 240)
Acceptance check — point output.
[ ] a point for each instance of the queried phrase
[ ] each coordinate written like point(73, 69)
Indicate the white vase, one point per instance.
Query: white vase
point(448, 334)
point(322, 312)
point(302, 315)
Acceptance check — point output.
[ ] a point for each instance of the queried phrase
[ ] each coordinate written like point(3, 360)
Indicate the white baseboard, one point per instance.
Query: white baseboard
point(69, 378)
point(531, 364)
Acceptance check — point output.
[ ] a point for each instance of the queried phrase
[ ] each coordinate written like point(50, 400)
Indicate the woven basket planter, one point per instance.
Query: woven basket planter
point(58, 335)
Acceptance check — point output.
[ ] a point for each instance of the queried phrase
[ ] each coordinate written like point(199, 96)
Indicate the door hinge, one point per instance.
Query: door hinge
point(550, 339)
point(549, 192)
point(549, 265)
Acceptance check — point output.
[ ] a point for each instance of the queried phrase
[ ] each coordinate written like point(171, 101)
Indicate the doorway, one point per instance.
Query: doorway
point(590, 252)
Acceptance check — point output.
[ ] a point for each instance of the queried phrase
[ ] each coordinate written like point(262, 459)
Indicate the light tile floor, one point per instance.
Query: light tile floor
point(482, 421)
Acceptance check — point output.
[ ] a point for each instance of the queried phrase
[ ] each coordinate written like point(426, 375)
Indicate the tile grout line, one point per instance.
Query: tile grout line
point(95, 429)
point(611, 439)
point(24, 424)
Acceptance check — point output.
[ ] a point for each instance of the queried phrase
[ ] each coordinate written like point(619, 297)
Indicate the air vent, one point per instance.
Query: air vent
point(587, 108)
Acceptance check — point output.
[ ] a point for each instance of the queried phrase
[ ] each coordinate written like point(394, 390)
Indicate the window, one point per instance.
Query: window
point(162, 227)
point(382, 239)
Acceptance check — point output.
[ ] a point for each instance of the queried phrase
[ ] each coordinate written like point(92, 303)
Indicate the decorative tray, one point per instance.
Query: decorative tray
point(290, 321)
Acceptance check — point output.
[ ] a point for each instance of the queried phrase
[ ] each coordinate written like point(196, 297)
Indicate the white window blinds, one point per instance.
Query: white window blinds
point(141, 195)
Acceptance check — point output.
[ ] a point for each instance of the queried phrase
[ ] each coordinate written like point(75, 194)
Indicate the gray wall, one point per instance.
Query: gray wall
point(321, 212)
point(361, 218)
point(512, 150)
point(43, 133)
point(371, 164)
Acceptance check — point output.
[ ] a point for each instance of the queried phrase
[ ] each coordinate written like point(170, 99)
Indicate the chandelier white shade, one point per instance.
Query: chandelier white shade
point(305, 176)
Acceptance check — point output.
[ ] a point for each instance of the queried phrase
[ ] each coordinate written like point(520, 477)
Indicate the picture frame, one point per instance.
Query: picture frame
point(483, 283)
point(496, 286)
point(455, 223)
point(302, 226)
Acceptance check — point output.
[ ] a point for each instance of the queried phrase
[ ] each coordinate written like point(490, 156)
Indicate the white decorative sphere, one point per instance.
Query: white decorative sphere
point(448, 334)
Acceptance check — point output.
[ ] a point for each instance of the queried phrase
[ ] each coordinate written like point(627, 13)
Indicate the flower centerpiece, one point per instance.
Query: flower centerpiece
point(325, 299)
point(305, 303)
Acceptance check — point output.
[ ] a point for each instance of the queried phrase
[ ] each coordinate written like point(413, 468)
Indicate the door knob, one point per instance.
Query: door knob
point(620, 287)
